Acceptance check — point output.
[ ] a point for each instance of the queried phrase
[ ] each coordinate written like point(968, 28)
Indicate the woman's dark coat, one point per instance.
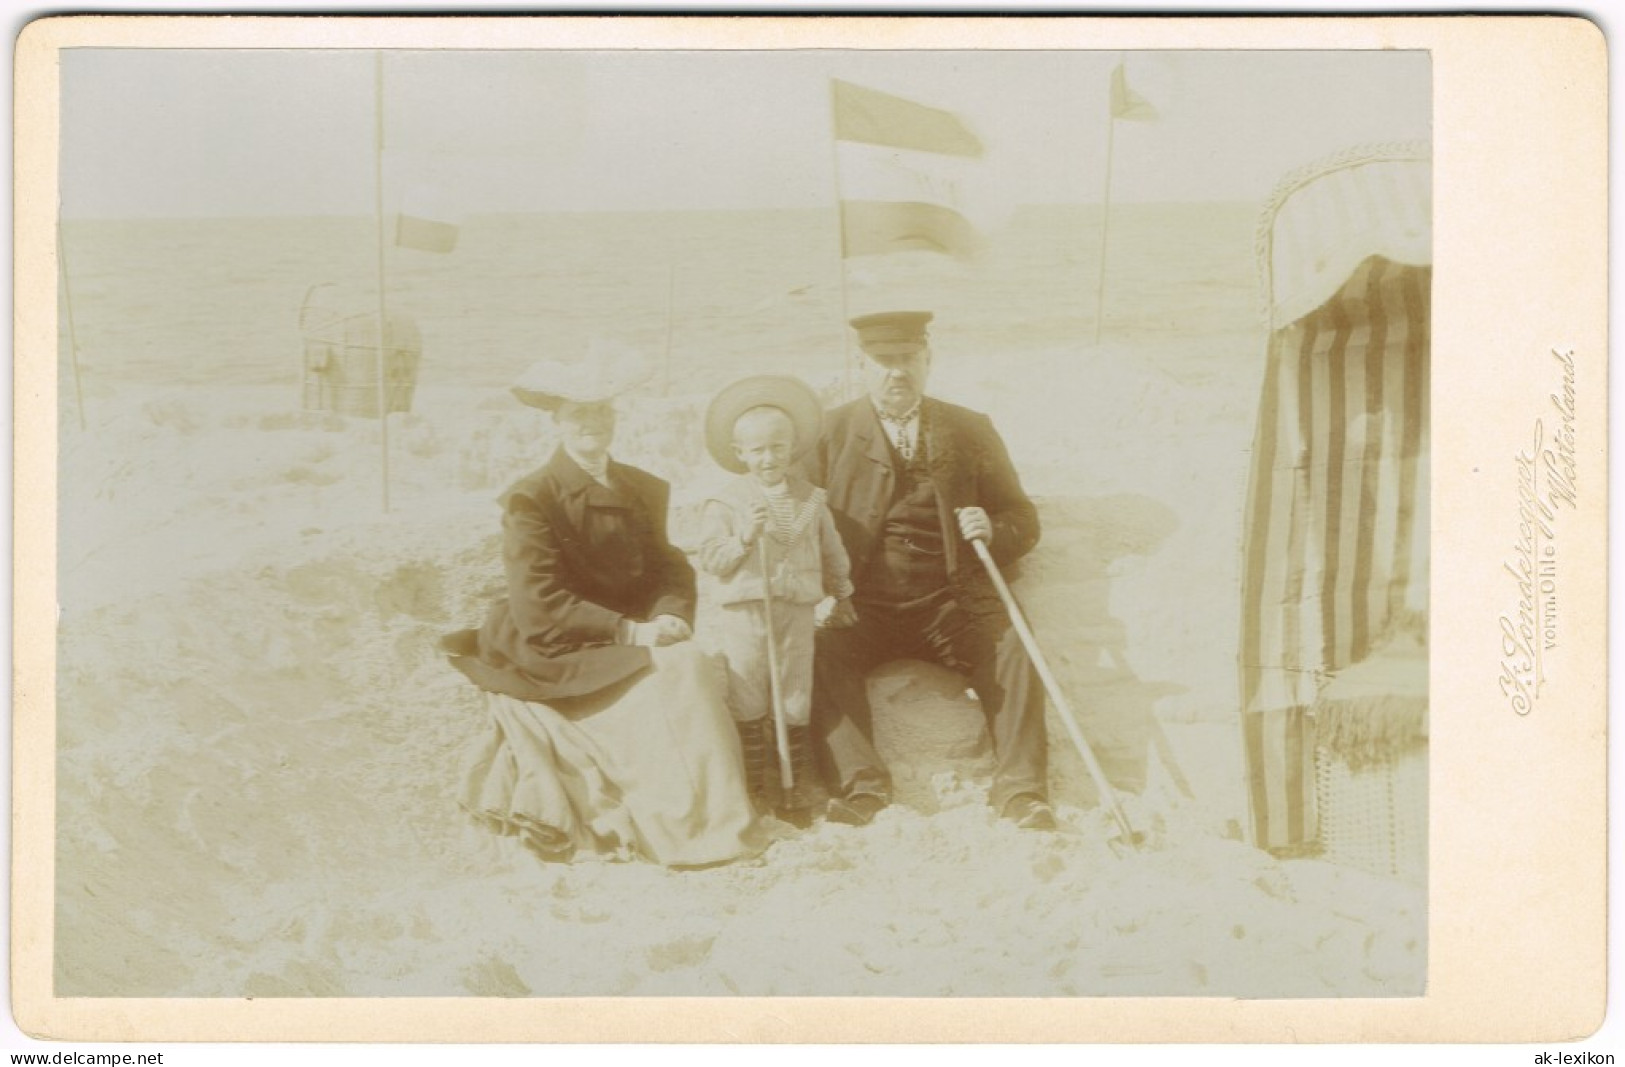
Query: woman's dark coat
point(579, 557)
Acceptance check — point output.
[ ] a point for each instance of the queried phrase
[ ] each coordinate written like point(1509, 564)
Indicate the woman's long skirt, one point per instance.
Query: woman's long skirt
point(649, 768)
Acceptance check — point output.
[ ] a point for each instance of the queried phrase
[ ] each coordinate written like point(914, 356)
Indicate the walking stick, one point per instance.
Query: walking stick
point(781, 729)
point(1053, 688)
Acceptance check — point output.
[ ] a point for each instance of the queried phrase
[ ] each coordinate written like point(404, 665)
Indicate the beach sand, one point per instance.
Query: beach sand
point(258, 738)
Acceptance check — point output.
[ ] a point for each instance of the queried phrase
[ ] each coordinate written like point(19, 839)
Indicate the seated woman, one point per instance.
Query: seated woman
point(609, 730)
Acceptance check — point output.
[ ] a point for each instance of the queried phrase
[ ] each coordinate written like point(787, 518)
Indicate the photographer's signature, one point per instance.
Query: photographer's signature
point(1547, 481)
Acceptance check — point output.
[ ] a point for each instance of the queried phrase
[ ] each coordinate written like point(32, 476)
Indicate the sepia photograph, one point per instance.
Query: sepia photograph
point(747, 522)
point(826, 524)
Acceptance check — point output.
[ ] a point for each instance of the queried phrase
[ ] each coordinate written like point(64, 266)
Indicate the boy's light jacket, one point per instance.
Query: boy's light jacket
point(812, 566)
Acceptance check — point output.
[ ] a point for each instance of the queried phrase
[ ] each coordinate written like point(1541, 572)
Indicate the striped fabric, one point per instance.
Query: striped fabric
point(790, 520)
point(878, 227)
point(1336, 531)
point(895, 200)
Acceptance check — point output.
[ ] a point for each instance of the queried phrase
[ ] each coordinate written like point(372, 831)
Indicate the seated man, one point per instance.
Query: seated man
point(908, 479)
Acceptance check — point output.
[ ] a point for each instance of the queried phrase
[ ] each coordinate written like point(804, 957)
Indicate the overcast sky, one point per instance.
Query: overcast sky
point(161, 133)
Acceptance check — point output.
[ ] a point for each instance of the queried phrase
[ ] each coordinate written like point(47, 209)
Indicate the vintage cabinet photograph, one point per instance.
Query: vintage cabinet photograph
point(573, 518)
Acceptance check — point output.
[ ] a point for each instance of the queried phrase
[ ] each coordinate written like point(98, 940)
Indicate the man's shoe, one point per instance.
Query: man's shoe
point(1029, 811)
point(799, 817)
point(859, 809)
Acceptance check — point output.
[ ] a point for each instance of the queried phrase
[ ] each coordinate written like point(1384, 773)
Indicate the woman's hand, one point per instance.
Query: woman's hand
point(658, 631)
point(671, 630)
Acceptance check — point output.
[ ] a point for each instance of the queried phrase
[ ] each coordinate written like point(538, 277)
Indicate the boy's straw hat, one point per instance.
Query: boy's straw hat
point(791, 395)
point(603, 372)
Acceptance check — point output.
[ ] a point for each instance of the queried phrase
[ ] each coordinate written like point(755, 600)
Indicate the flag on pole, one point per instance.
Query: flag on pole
point(903, 171)
point(426, 221)
point(1126, 103)
point(869, 116)
point(1123, 103)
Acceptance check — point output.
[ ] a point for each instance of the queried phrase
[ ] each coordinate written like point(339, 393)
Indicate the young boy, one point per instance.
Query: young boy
point(757, 427)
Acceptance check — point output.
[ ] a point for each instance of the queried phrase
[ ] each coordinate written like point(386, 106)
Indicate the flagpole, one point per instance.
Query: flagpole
point(378, 210)
point(1105, 223)
point(73, 334)
point(671, 285)
point(840, 248)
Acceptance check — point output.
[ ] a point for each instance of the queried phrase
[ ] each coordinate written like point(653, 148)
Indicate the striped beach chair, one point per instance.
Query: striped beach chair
point(1335, 548)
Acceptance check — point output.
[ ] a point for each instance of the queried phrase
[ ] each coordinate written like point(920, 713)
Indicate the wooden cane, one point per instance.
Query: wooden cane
point(1107, 795)
point(781, 729)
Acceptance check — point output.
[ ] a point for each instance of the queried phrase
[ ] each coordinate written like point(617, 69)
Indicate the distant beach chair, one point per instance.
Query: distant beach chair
point(341, 356)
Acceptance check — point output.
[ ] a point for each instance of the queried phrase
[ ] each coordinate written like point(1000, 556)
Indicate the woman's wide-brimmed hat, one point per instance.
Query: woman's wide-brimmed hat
point(791, 395)
point(603, 372)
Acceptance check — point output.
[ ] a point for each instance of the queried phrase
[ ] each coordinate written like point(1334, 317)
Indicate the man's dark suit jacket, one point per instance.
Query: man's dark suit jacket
point(969, 466)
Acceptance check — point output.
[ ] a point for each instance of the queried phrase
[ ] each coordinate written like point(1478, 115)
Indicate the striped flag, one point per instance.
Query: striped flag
point(904, 174)
point(1125, 102)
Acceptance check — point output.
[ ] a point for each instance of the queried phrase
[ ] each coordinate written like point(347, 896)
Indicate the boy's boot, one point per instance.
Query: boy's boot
point(760, 773)
point(796, 807)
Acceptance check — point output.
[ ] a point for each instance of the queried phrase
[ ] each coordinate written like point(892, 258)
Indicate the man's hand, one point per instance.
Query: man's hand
point(754, 525)
point(975, 525)
point(833, 614)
